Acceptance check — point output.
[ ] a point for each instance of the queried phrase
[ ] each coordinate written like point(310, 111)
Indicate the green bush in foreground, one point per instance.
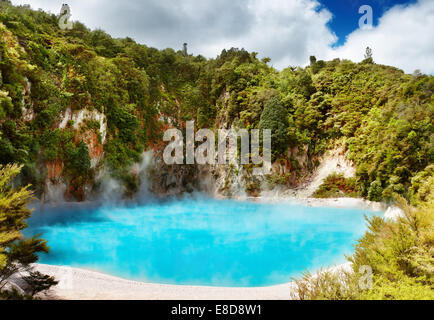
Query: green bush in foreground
point(400, 254)
point(335, 186)
point(17, 253)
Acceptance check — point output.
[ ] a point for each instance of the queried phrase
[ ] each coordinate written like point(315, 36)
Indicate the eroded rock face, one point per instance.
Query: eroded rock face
point(54, 170)
point(174, 179)
point(334, 161)
point(96, 149)
point(78, 119)
point(27, 104)
point(294, 170)
point(220, 181)
point(230, 180)
point(236, 181)
point(55, 192)
point(57, 187)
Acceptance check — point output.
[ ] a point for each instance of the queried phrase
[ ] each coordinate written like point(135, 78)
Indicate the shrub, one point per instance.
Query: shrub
point(400, 254)
point(18, 253)
point(336, 185)
point(274, 118)
point(375, 191)
point(422, 186)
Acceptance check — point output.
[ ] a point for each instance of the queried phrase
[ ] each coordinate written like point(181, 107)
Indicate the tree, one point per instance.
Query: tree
point(312, 60)
point(82, 158)
point(375, 191)
point(38, 282)
point(275, 118)
point(304, 84)
point(17, 253)
point(317, 66)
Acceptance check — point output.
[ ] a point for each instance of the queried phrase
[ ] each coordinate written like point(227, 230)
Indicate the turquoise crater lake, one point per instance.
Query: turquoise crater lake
point(200, 242)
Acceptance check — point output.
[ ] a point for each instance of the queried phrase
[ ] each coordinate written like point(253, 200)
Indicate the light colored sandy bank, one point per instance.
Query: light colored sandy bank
point(80, 284)
point(350, 203)
point(353, 203)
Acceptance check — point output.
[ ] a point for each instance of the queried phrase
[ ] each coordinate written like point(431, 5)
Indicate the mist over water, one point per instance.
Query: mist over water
point(199, 241)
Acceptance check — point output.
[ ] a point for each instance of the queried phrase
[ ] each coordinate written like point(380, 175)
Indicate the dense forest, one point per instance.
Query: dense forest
point(382, 116)
point(130, 93)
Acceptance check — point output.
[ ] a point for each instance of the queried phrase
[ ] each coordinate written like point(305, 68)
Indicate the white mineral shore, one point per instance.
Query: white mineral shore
point(349, 203)
point(80, 284)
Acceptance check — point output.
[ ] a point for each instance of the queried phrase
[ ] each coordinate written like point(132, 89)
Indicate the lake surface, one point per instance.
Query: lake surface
point(200, 242)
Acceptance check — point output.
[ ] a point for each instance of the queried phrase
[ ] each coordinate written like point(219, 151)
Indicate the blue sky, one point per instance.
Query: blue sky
point(346, 14)
point(287, 31)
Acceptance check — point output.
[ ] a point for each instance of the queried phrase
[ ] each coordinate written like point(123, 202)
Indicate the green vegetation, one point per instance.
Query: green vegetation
point(400, 255)
point(274, 118)
point(381, 115)
point(336, 186)
point(16, 252)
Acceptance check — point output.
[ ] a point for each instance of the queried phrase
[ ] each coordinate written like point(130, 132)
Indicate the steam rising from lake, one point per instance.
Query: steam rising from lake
point(200, 241)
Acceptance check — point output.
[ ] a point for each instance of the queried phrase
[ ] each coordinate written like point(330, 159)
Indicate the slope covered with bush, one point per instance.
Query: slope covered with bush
point(382, 116)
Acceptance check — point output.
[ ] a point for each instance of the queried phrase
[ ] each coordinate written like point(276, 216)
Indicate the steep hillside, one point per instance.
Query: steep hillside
point(77, 106)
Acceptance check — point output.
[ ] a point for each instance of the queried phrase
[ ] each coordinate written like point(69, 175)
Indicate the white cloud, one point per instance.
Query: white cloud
point(404, 38)
point(287, 31)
